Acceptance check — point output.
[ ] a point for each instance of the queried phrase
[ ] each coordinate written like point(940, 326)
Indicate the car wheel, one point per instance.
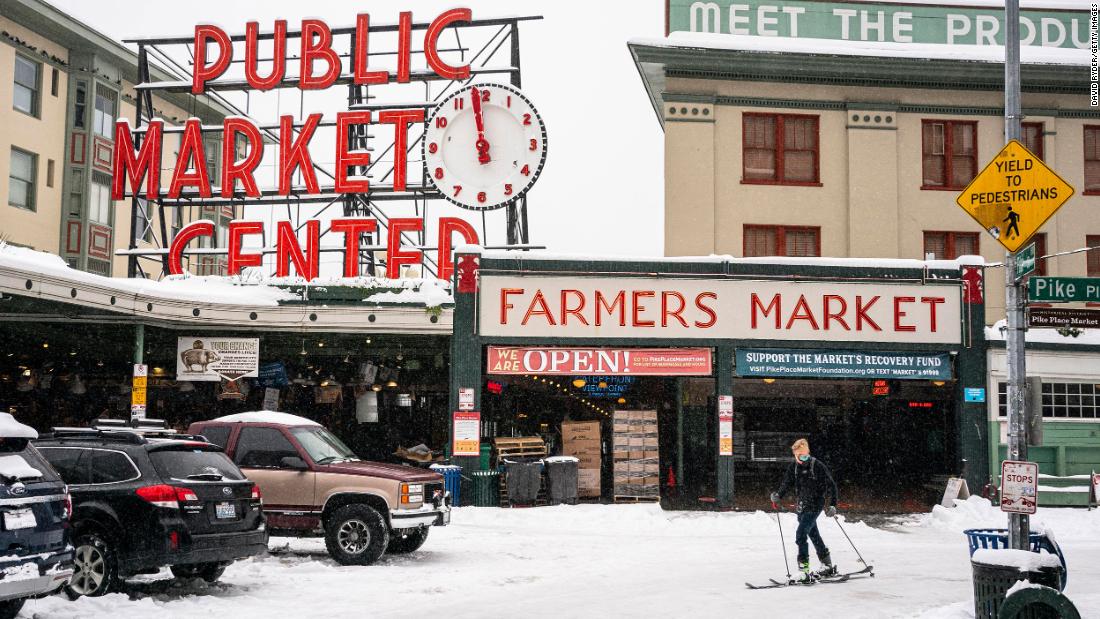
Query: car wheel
point(10, 608)
point(356, 535)
point(412, 540)
point(210, 572)
point(95, 570)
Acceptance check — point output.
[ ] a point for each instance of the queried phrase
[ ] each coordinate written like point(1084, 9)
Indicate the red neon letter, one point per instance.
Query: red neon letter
point(233, 170)
point(400, 119)
point(295, 154)
point(288, 249)
point(666, 314)
point(345, 157)
point(932, 301)
point(182, 238)
point(578, 311)
point(237, 260)
point(252, 53)
point(837, 316)
point(802, 311)
point(861, 313)
point(352, 229)
point(706, 310)
point(447, 227)
point(638, 310)
point(431, 44)
point(147, 162)
point(776, 305)
point(203, 71)
point(191, 151)
point(505, 305)
point(898, 314)
point(404, 47)
point(395, 257)
point(359, 63)
point(319, 50)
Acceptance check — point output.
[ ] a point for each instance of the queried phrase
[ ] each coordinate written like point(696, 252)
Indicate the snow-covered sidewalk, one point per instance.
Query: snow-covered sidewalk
point(608, 561)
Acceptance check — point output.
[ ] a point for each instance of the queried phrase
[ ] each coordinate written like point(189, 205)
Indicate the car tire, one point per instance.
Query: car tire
point(356, 534)
point(10, 608)
point(95, 567)
point(410, 541)
point(210, 572)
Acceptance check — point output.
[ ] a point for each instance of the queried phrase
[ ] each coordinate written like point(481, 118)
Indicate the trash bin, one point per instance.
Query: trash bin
point(998, 538)
point(486, 488)
point(997, 570)
point(452, 480)
point(486, 451)
point(561, 473)
point(523, 478)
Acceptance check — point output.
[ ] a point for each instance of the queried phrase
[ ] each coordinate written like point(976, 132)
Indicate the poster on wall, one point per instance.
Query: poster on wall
point(271, 399)
point(217, 358)
point(138, 393)
point(467, 433)
point(725, 425)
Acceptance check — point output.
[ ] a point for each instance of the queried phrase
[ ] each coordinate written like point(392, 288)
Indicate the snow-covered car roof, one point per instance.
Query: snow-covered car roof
point(10, 428)
point(275, 417)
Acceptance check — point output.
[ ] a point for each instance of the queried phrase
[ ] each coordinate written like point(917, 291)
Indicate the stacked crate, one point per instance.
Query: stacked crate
point(581, 439)
point(637, 463)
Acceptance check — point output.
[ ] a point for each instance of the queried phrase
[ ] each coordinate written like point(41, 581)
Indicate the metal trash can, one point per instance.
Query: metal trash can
point(523, 478)
point(998, 538)
point(452, 480)
point(486, 488)
point(561, 475)
point(997, 570)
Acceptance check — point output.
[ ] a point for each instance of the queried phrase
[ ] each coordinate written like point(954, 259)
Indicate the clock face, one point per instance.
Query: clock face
point(484, 146)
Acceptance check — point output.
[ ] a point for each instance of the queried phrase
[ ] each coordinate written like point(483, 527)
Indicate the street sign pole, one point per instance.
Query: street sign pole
point(1018, 525)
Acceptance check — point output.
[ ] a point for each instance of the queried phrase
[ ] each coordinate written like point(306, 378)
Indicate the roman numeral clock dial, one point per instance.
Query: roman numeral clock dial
point(484, 146)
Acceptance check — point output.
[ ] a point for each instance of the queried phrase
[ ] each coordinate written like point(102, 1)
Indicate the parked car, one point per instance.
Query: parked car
point(147, 498)
point(316, 486)
point(34, 514)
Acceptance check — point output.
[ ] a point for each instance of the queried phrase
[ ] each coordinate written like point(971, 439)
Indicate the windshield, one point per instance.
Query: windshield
point(323, 446)
point(195, 465)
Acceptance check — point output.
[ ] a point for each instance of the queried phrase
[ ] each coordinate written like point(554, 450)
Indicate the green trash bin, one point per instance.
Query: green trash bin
point(486, 449)
point(996, 571)
point(486, 488)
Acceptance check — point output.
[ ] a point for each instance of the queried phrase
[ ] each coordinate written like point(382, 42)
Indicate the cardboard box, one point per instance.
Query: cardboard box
point(636, 455)
point(652, 480)
point(650, 428)
point(635, 441)
point(589, 461)
point(580, 431)
point(652, 453)
point(588, 483)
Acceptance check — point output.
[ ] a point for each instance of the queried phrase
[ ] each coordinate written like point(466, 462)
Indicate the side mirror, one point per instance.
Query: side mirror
point(293, 462)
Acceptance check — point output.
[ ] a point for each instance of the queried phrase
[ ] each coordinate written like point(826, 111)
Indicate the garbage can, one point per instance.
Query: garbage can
point(486, 488)
point(997, 570)
point(998, 538)
point(561, 473)
point(523, 478)
point(452, 480)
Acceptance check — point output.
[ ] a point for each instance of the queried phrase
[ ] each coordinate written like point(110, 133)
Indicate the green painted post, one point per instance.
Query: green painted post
point(465, 362)
point(1060, 461)
point(680, 432)
point(724, 464)
point(971, 418)
point(139, 343)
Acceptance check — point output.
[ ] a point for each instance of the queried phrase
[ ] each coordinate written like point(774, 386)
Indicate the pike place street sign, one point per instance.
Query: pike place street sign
point(1014, 195)
point(1063, 289)
point(1058, 318)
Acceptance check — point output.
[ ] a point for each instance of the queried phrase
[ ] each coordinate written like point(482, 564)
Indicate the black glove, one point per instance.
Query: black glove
point(775, 498)
point(830, 511)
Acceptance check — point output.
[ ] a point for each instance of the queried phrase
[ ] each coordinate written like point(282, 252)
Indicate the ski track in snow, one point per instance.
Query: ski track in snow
point(607, 561)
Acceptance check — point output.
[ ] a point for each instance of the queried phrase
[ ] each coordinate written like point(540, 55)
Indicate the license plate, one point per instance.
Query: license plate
point(19, 519)
point(225, 510)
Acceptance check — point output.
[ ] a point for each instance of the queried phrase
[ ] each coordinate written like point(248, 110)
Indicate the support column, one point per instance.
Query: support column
point(139, 343)
point(972, 418)
point(724, 464)
point(466, 372)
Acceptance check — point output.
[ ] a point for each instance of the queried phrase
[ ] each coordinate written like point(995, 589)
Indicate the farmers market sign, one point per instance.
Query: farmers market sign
point(981, 24)
point(774, 362)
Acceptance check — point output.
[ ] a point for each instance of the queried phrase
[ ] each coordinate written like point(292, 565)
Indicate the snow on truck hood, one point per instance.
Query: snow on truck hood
point(285, 419)
point(10, 428)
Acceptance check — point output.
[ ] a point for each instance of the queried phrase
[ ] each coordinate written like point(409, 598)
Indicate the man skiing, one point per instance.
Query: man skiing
point(813, 484)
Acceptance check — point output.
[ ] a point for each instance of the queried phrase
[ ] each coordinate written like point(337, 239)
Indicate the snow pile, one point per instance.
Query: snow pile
point(557, 459)
point(1020, 586)
point(1023, 560)
point(285, 419)
point(15, 467)
point(973, 513)
point(11, 428)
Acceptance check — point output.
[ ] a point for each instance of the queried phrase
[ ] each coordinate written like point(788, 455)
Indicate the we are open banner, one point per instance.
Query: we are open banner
point(603, 361)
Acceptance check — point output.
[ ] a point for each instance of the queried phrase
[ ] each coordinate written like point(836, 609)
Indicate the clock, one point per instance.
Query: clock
point(484, 146)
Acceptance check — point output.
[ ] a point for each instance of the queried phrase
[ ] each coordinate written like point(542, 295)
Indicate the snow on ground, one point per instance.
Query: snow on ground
point(608, 561)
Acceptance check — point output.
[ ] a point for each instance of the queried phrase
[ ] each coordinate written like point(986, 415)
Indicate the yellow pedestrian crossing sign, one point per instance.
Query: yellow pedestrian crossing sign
point(1014, 195)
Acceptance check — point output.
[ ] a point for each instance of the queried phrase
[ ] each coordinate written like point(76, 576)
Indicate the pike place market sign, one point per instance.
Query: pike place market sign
point(698, 309)
point(980, 23)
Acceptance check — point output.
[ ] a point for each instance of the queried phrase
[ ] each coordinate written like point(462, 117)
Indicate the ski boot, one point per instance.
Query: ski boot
point(828, 570)
point(805, 577)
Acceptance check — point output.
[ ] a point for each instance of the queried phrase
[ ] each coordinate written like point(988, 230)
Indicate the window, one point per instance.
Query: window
point(1092, 256)
point(55, 80)
point(950, 153)
point(80, 105)
point(105, 112)
point(109, 467)
point(49, 172)
point(99, 202)
point(68, 463)
point(1061, 400)
point(195, 464)
point(145, 220)
point(213, 156)
point(782, 241)
point(780, 148)
point(21, 179)
point(950, 245)
point(1092, 159)
point(1031, 134)
point(263, 448)
point(25, 97)
point(322, 445)
point(218, 435)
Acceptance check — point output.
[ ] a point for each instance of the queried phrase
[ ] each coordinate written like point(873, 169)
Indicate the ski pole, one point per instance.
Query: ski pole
point(782, 540)
point(850, 541)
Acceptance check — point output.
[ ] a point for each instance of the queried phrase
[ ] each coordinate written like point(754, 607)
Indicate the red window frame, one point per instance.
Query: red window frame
point(780, 238)
point(1092, 259)
point(1085, 159)
point(949, 242)
point(1038, 127)
point(780, 148)
point(1040, 240)
point(948, 156)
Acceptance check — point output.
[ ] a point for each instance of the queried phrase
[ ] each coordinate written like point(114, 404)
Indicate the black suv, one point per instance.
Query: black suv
point(148, 498)
point(35, 555)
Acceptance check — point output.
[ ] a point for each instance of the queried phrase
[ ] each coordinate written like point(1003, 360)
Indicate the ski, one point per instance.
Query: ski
point(837, 578)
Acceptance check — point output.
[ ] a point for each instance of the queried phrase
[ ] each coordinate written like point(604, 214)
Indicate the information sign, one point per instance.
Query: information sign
point(1019, 487)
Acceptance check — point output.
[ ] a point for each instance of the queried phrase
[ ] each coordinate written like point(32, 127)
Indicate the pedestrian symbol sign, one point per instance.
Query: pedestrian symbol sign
point(1014, 195)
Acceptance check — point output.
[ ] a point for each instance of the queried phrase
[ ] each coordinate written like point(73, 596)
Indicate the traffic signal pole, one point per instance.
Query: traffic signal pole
point(1018, 525)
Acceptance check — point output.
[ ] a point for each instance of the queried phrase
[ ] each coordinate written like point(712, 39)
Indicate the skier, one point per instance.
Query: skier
point(813, 484)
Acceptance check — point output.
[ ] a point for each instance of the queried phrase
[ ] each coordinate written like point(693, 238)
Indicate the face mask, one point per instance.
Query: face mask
point(804, 458)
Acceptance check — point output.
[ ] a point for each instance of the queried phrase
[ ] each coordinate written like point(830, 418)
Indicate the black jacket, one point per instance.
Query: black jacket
point(812, 484)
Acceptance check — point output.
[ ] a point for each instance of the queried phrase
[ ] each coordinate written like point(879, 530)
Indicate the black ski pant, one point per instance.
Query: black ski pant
point(807, 527)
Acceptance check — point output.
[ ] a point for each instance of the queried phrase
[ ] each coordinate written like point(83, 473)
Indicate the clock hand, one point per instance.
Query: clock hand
point(482, 144)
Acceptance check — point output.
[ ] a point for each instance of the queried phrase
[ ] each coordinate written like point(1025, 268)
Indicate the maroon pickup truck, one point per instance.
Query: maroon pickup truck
point(314, 485)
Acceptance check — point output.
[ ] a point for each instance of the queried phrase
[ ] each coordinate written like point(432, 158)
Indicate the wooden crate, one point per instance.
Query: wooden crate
point(519, 447)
